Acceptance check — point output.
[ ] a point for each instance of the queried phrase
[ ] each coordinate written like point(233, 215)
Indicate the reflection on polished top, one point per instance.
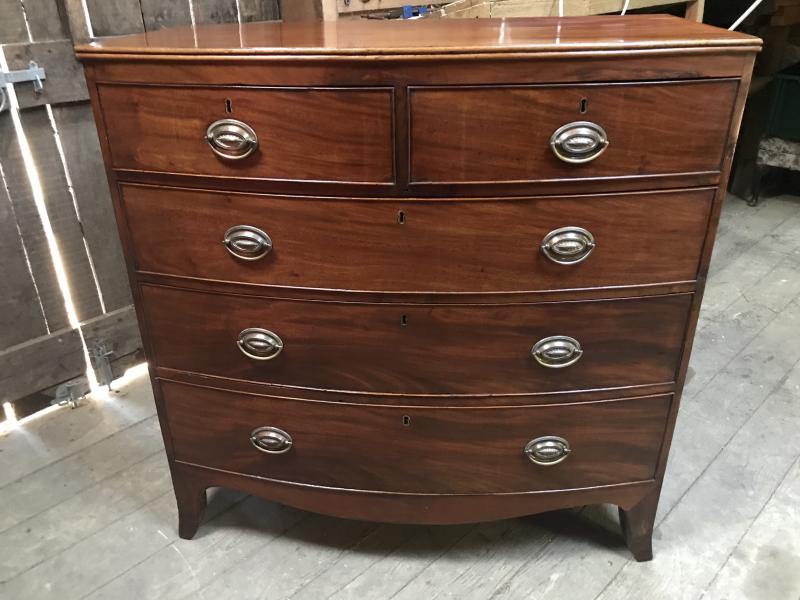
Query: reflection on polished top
point(424, 36)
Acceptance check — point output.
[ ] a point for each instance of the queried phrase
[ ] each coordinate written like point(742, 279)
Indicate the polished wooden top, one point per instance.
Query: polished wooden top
point(424, 36)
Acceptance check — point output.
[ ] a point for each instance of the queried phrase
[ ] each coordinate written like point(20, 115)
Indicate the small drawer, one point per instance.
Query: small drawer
point(306, 134)
point(501, 245)
point(418, 348)
point(554, 132)
point(418, 449)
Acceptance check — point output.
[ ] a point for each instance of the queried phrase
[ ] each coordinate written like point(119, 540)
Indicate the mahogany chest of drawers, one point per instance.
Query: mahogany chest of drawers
point(421, 272)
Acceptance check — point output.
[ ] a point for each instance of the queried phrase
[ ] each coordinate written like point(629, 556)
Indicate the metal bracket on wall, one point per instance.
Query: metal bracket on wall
point(101, 361)
point(69, 394)
point(33, 73)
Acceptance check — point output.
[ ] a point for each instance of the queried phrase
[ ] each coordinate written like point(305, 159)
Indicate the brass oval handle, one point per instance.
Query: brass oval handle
point(259, 344)
point(579, 142)
point(247, 242)
point(271, 440)
point(557, 351)
point(568, 245)
point(231, 139)
point(547, 450)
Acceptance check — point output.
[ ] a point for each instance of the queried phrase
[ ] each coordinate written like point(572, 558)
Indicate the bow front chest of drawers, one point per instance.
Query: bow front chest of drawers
point(421, 272)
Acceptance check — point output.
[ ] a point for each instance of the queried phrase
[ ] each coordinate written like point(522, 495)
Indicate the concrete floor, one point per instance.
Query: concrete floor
point(87, 511)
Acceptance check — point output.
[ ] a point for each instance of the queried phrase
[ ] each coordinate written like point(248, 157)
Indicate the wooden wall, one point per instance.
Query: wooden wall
point(40, 346)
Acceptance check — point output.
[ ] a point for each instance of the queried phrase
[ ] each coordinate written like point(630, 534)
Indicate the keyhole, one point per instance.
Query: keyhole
point(403, 320)
point(584, 105)
point(228, 107)
point(406, 421)
point(401, 217)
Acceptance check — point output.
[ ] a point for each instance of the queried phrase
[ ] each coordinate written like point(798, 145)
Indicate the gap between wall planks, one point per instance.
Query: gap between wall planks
point(38, 347)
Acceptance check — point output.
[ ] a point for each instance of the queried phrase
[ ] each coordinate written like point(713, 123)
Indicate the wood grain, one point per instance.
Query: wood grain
point(447, 245)
point(304, 134)
point(444, 451)
point(456, 137)
point(489, 36)
point(440, 350)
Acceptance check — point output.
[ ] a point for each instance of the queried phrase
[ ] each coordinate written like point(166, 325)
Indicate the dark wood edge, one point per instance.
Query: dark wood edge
point(424, 509)
point(292, 394)
point(358, 397)
point(412, 297)
point(344, 298)
point(86, 53)
point(402, 188)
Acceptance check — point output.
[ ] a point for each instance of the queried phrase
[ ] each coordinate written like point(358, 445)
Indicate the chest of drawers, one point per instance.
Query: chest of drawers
point(425, 272)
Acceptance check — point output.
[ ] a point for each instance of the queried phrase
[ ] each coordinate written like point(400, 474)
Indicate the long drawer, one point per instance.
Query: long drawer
point(418, 348)
point(506, 133)
point(305, 134)
point(418, 449)
point(420, 246)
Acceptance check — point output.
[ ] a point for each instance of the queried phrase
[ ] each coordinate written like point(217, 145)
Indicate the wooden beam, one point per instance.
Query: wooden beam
point(694, 10)
point(40, 363)
point(76, 20)
point(309, 10)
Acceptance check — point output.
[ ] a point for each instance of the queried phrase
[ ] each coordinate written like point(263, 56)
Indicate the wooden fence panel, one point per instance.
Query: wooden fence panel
point(115, 17)
point(157, 14)
point(30, 226)
point(215, 11)
point(259, 10)
point(46, 19)
point(12, 25)
point(61, 210)
point(21, 316)
point(78, 135)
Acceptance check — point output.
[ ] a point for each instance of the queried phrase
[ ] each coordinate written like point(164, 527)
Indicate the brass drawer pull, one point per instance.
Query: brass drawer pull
point(557, 351)
point(259, 344)
point(579, 142)
point(547, 450)
point(568, 245)
point(231, 139)
point(271, 440)
point(246, 242)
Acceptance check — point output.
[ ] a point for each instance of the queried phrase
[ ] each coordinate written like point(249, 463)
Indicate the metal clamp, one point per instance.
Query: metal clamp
point(33, 73)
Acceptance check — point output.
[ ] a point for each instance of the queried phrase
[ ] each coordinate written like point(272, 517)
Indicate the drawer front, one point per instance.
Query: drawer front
point(429, 349)
point(302, 133)
point(503, 134)
point(424, 246)
point(418, 449)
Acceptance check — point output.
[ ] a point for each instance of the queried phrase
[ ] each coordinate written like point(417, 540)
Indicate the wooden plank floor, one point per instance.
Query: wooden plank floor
point(86, 507)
